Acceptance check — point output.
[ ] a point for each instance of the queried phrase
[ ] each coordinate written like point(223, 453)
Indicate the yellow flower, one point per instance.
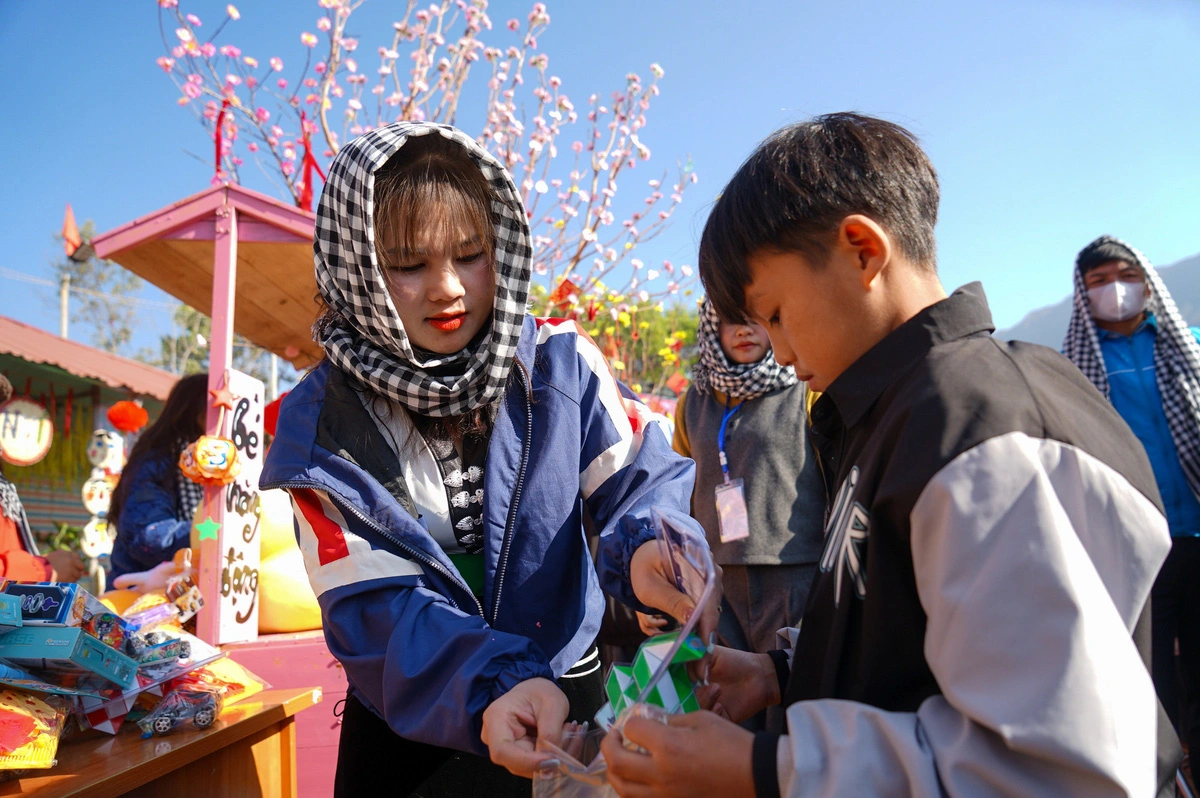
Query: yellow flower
point(624, 319)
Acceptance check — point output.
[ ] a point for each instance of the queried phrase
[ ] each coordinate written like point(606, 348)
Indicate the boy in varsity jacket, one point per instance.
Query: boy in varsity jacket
point(979, 623)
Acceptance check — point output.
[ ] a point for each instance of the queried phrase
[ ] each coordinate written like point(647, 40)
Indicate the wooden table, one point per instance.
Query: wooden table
point(251, 750)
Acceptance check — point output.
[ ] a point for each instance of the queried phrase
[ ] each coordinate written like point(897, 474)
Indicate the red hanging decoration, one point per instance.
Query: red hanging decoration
point(128, 416)
point(308, 165)
point(53, 406)
point(68, 411)
point(220, 173)
point(29, 387)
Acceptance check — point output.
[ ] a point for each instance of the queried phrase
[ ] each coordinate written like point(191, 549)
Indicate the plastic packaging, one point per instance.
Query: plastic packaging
point(30, 729)
point(200, 707)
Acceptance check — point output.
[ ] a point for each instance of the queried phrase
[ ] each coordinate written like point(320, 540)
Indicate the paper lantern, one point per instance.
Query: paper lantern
point(128, 416)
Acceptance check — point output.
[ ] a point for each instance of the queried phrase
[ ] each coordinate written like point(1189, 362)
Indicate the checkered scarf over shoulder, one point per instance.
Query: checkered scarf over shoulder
point(1176, 358)
point(373, 346)
point(740, 380)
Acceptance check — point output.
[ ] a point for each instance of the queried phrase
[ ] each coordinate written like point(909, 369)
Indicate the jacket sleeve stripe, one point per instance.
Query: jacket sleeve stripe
point(333, 555)
point(320, 515)
point(628, 417)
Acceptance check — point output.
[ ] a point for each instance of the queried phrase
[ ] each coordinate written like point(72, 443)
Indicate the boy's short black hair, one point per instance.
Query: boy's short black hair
point(1102, 251)
point(794, 190)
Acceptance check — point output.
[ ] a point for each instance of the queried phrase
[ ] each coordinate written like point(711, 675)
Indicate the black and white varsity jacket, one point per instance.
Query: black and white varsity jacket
point(979, 624)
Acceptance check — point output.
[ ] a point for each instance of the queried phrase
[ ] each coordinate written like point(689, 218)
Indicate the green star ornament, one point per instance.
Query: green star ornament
point(208, 529)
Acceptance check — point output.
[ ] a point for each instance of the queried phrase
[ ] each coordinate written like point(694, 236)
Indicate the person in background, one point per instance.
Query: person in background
point(154, 502)
point(19, 559)
point(1128, 339)
point(745, 423)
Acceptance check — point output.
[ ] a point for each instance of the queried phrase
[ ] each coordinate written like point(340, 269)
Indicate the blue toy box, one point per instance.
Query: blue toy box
point(73, 656)
point(10, 612)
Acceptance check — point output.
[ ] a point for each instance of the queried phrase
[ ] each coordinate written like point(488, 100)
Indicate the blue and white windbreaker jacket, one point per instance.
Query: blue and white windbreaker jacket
point(417, 646)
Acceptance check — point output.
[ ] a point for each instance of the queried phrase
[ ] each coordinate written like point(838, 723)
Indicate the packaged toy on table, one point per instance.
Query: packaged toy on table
point(67, 656)
point(30, 728)
point(10, 612)
point(49, 603)
point(201, 707)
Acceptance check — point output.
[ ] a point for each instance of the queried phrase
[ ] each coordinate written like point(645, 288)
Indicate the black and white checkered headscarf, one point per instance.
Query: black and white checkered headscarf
point(374, 347)
point(740, 380)
point(1176, 358)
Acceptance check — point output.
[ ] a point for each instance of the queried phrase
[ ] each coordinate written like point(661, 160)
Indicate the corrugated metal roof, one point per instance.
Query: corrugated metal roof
point(39, 346)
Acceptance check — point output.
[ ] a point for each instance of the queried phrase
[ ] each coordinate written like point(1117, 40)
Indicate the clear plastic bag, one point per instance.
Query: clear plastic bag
point(566, 775)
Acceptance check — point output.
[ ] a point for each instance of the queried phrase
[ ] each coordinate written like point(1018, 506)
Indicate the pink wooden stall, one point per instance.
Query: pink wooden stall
point(226, 247)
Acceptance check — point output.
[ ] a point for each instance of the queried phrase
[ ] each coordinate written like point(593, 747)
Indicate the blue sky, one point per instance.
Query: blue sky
point(1050, 122)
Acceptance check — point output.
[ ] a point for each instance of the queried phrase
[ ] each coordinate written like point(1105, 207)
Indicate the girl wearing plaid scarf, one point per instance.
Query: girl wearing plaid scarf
point(1128, 338)
point(742, 398)
point(441, 462)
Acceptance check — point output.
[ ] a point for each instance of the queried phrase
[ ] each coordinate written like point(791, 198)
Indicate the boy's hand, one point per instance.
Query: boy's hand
point(654, 585)
point(514, 722)
point(651, 625)
point(696, 754)
point(740, 684)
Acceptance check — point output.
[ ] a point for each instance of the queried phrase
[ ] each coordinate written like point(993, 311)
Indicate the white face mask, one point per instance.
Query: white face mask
point(1117, 301)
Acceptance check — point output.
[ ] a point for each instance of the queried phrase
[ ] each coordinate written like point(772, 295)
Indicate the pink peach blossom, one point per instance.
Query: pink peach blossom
point(193, 19)
point(232, 11)
point(308, 39)
point(276, 64)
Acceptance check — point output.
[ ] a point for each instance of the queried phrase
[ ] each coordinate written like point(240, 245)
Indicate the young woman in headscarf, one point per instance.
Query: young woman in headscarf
point(759, 493)
point(441, 461)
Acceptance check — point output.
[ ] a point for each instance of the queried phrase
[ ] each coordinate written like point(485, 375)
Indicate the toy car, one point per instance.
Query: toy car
point(158, 647)
point(200, 706)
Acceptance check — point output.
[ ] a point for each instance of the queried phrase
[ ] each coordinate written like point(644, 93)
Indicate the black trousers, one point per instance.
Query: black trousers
point(1175, 610)
point(374, 760)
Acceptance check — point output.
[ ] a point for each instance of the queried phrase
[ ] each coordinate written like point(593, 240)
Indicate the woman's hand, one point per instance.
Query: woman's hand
point(654, 585)
point(534, 709)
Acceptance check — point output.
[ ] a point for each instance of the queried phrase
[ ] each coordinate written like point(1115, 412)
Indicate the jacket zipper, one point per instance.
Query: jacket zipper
point(382, 530)
point(512, 510)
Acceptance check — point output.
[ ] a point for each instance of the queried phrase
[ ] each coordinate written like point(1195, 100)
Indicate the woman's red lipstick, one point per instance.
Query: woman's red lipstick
point(448, 323)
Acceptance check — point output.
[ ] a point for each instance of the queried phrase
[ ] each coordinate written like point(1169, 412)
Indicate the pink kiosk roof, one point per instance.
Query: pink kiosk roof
point(230, 243)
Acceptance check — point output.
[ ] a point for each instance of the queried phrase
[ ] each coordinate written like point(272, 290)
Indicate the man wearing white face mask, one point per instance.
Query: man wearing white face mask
point(1128, 338)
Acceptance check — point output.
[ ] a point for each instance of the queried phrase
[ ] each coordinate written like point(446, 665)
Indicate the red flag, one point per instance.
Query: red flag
point(70, 233)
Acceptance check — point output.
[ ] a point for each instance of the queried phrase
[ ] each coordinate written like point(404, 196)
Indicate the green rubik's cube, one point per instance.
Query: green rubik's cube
point(675, 692)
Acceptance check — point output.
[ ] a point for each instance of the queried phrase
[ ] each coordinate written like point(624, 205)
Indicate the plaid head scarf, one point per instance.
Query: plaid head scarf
point(372, 346)
point(743, 381)
point(1176, 357)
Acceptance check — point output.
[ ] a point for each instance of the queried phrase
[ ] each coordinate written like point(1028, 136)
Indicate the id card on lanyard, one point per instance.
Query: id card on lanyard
point(731, 498)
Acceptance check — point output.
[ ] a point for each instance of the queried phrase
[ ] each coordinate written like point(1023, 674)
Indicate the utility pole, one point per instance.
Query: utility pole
point(273, 385)
point(64, 293)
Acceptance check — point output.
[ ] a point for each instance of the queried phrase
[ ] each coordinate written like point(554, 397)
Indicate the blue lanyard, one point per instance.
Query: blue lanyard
point(721, 437)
